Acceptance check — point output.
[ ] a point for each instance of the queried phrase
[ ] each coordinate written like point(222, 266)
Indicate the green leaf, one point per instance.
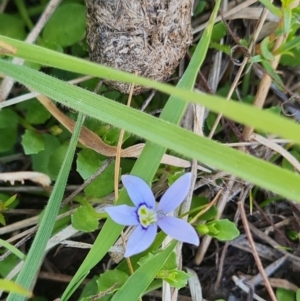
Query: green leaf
point(111, 279)
point(84, 219)
point(112, 135)
point(264, 49)
point(292, 60)
point(8, 264)
point(293, 235)
point(170, 264)
point(169, 271)
point(165, 134)
point(236, 111)
point(225, 230)
point(8, 129)
point(294, 43)
point(175, 278)
point(287, 19)
point(285, 295)
point(55, 161)
point(298, 295)
point(210, 120)
point(221, 47)
point(198, 202)
point(89, 289)
point(10, 286)
point(255, 59)
point(8, 119)
point(36, 112)
point(200, 7)
point(12, 27)
point(272, 8)
point(277, 80)
point(35, 256)
point(103, 184)
point(2, 220)
point(41, 160)
point(66, 26)
point(202, 229)
point(88, 161)
point(8, 138)
point(32, 142)
point(218, 32)
point(12, 249)
point(8, 202)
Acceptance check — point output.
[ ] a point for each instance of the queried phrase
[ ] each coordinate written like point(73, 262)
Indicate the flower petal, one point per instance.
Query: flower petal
point(179, 229)
point(138, 191)
point(175, 195)
point(140, 240)
point(123, 215)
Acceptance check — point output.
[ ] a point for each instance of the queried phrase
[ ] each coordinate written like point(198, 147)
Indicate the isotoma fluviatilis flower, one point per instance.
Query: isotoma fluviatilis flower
point(146, 216)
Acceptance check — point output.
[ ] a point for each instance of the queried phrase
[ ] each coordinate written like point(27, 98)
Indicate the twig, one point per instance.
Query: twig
point(295, 259)
point(148, 100)
point(117, 171)
point(270, 269)
point(255, 254)
point(239, 282)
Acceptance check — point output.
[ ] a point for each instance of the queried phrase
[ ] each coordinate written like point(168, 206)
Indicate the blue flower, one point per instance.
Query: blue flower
point(146, 216)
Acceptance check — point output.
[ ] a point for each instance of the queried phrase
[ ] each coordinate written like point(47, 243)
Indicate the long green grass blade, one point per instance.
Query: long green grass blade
point(12, 248)
point(36, 252)
point(242, 113)
point(165, 134)
point(12, 287)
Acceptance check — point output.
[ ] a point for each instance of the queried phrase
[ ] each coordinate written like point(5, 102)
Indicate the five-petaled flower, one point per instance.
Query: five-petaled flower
point(146, 216)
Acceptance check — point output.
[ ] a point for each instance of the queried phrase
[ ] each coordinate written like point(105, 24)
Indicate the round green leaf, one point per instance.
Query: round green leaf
point(41, 160)
point(67, 25)
point(8, 138)
point(83, 219)
point(8, 129)
point(111, 280)
point(102, 185)
point(88, 161)
point(285, 295)
point(36, 113)
point(12, 27)
point(8, 119)
point(224, 229)
point(219, 31)
point(32, 142)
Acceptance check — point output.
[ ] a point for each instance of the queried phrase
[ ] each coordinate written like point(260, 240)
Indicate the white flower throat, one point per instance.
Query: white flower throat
point(146, 216)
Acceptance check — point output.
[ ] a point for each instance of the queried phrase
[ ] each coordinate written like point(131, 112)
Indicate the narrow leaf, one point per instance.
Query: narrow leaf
point(12, 287)
point(36, 252)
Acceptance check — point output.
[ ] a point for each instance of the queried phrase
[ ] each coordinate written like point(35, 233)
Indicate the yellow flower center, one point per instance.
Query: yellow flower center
point(146, 216)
